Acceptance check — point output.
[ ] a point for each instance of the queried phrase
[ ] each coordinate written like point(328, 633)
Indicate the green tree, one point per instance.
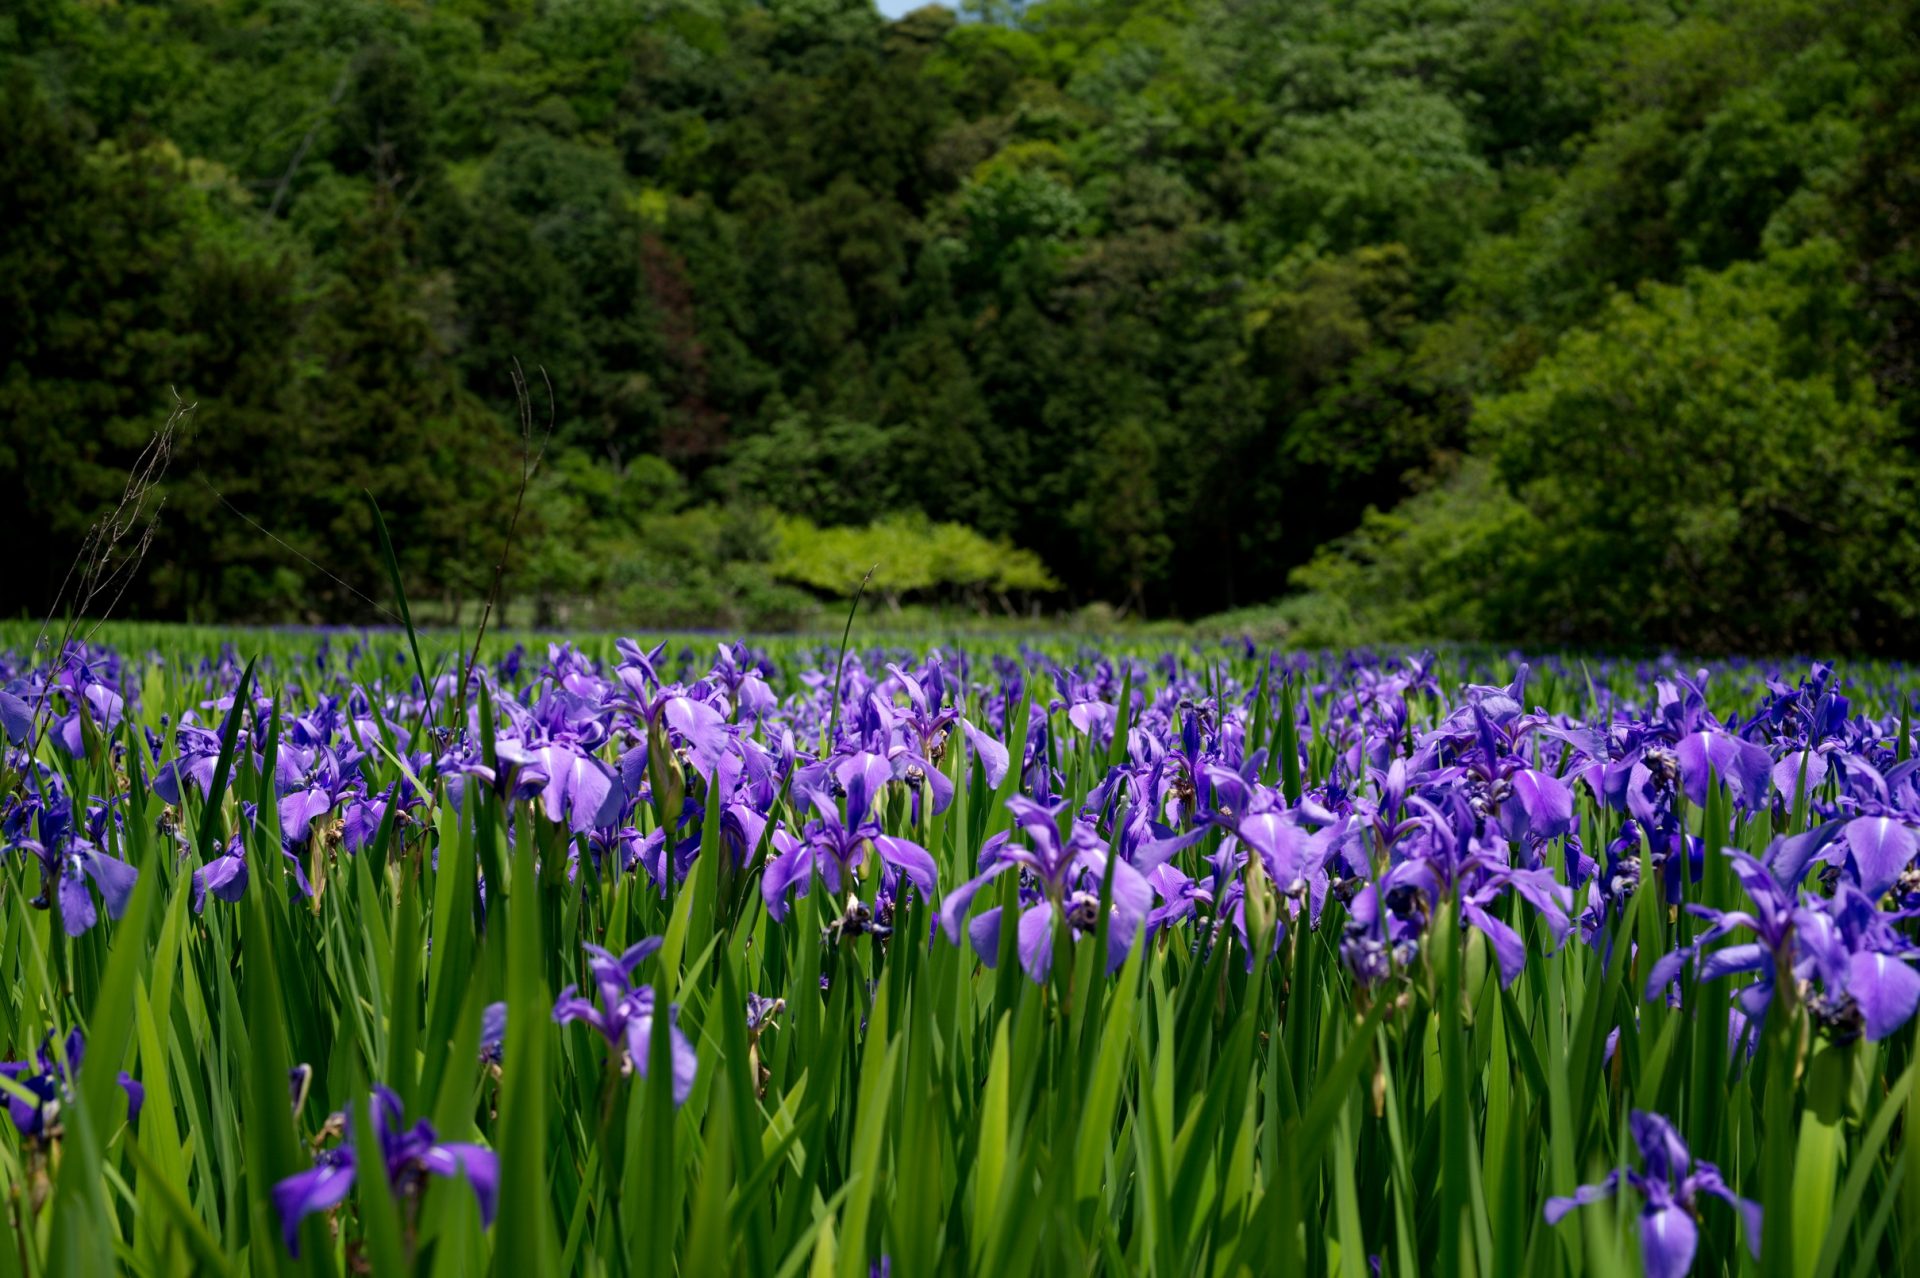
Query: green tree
point(1119, 513)
point(1711, 467)
point(386, 414)
point(129, 271)
point(1708, 467)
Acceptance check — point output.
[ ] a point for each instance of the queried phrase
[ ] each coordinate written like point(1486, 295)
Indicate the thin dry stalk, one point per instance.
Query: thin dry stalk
point(281, 542)
point(111, 552)
point(530, 459)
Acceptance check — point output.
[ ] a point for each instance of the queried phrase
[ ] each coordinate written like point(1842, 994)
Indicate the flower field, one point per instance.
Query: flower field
point(336, 953)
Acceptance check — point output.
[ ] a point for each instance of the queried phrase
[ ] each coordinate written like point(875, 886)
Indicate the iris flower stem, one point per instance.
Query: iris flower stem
point(840, 662)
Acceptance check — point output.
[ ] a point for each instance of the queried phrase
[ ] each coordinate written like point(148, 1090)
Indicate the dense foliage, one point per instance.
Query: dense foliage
point(1194, 961)
point(1605, 311)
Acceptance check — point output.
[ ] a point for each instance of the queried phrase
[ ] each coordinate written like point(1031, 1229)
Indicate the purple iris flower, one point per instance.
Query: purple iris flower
point(493, 1033)
point(1855, 965)
point(48, 1077)
point(1181, 896)
point(740, 674)
point(1672, 1185)
point(1863, 966)
point(1441, 853)
point(836, 847)
point(136, 1095)
point(745, 785)
point(626, 1013)
point(671, 710)
point(1793, 766)
point(1880, 849)
point(1770, 920)
point(663, 861)
point(644, 662)
point(1125, 800)
point(318, 726)
point(573, 785)
point(1383, 933)
point(1743, 766)
point(411, 1154)
point(199, 755)
point(551, 752)
point(1089, 714)
point(227, 874)
point(760, 1012)
point(1181, 784)
point(1812, 710)
point(311, 782)
point(922, 733)
point(741, 825)
point(994, 757)
point(68, 860)
point(1069, 873)
point(91, 700)
point(1255, 818)
point(16, 716)
point(299, 1083)
point(360, 821)
point(1527, 803)
point(1549, 899)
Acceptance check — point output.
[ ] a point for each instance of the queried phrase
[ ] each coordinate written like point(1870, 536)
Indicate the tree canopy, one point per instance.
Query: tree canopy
point(1530, 319)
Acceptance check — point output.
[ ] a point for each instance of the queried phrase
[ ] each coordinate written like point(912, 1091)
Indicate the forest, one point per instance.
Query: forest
point(1553, 321)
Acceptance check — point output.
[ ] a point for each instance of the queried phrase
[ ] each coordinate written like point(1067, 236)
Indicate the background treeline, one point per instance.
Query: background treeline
point(1551, 320)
